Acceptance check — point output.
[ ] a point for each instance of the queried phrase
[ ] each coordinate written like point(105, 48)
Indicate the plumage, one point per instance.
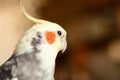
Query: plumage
point(35, 53)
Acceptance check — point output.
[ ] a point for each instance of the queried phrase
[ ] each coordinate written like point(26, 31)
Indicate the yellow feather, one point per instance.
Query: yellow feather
point(30, 17)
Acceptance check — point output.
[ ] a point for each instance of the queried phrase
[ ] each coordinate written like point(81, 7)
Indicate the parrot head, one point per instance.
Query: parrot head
point(44, 34)
point(50, 34)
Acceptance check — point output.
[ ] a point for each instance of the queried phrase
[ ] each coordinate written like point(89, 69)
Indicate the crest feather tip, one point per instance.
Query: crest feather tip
point(33, 19)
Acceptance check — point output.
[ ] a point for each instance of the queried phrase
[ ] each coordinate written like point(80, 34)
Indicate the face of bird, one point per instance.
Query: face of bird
point(52, 35)
point(43, 34)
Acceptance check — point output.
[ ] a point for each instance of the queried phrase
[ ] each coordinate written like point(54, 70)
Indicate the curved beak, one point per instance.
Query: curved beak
point(64, 45)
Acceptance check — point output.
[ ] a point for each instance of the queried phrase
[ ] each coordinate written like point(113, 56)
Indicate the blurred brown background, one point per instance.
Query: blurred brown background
point(93, 28)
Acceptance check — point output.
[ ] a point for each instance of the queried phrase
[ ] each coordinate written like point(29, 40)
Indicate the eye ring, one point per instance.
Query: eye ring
point(59, 33)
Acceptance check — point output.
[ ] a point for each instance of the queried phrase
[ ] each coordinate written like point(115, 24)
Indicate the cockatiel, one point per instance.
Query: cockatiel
point(35, 53)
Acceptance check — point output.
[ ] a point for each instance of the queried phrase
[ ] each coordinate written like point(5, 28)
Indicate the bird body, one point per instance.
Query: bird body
point(35, 53)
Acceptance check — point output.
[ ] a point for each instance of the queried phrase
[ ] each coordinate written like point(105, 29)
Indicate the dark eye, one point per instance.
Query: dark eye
point(59, 33)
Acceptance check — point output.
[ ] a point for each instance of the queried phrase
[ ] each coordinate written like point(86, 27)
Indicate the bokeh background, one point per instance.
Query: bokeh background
point(93, 28)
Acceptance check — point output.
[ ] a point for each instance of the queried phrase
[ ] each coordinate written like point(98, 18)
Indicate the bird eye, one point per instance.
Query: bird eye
point(59, 33)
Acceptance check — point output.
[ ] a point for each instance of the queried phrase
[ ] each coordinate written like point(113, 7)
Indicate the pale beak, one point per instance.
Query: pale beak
point(63, 46)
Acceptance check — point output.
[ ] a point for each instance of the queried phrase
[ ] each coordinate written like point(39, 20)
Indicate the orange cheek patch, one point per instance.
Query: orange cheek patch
point(50, 37)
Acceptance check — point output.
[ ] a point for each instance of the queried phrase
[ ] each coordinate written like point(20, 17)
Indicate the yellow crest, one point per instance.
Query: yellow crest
point(30, 17)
